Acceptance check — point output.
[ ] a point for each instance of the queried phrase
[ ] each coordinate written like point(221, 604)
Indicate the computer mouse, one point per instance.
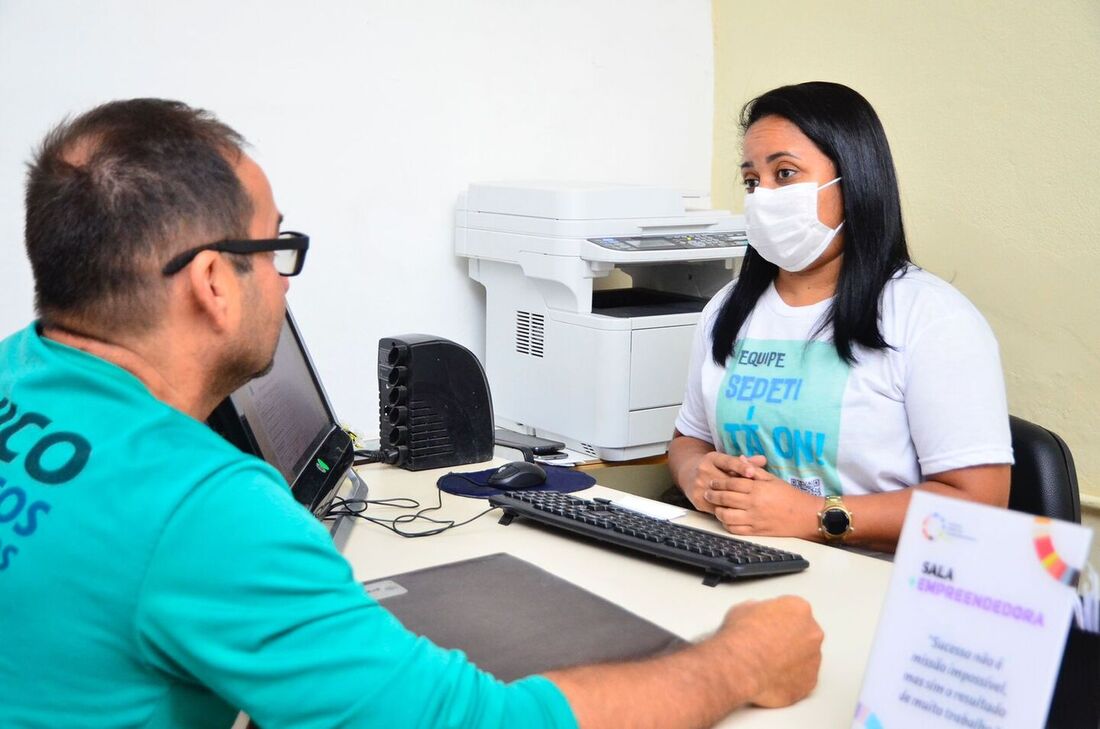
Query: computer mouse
point(517, 475)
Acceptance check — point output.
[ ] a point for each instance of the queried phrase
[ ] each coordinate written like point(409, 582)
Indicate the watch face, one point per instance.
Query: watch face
point(835, 521)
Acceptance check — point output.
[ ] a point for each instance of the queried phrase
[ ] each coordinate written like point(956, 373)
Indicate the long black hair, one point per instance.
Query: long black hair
point(846, 129)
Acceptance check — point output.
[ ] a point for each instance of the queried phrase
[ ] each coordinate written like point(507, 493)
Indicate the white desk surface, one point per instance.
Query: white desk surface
point(846, 590)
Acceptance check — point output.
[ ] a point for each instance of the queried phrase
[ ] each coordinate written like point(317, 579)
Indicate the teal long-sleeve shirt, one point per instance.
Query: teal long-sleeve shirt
point(152, 575)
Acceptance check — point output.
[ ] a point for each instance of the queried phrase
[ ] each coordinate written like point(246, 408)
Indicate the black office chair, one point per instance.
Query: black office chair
point(1044, 480)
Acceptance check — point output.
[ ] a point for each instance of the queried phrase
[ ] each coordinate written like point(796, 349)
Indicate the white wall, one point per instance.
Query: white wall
point(370, 117)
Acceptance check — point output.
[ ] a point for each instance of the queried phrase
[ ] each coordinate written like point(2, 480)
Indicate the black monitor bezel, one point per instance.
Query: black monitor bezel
point(313, 486)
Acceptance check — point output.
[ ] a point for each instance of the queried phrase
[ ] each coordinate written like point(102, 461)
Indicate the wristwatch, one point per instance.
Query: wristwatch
point(834, 521)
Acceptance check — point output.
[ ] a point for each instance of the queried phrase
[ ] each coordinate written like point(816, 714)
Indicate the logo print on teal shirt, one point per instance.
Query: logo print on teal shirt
point(52, 458)
point(782, 399)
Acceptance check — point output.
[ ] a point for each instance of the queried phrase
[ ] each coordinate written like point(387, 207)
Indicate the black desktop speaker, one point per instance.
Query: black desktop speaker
point(434, 406)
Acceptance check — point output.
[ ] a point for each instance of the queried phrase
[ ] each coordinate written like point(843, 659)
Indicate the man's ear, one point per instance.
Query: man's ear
point(215, 290)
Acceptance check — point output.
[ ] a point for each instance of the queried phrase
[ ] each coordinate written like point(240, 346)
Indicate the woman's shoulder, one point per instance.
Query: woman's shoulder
point(710, 311)
point(719, 298)
point(916, 296)
point(913, 285)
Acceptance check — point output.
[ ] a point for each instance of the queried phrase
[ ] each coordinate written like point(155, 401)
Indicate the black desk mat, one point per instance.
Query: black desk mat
point(514, 619)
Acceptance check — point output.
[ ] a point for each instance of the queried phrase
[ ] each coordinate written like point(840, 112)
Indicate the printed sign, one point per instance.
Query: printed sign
point(782, 399)
point(975, 619)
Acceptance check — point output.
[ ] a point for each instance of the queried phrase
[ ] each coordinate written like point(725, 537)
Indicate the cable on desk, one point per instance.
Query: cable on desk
point(467, 479)
point(355, 508)
point(386, 455)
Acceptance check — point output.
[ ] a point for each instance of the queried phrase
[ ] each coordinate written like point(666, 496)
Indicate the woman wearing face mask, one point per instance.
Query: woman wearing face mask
point(833, 375)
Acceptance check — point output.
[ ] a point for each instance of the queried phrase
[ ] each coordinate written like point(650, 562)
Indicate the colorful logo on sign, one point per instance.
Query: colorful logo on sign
point(1052, 562)
point(866, 718)
point(932, 527)
point(936, 528)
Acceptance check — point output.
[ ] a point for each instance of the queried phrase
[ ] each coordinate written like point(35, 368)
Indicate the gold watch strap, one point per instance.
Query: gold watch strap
point(834, 503)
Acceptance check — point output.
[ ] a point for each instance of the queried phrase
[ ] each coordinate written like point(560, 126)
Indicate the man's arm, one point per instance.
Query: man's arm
point(765, 653)
point(247, 595)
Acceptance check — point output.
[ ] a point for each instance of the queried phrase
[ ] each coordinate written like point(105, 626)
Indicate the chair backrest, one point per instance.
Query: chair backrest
point(1044, 480)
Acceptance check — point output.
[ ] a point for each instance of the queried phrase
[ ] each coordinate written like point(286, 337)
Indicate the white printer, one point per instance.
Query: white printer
point(592, 294)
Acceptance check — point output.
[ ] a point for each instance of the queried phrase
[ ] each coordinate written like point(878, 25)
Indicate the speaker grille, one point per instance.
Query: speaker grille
point(530, 330)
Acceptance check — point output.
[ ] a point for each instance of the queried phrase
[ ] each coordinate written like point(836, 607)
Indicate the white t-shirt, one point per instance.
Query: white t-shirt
point(933, 403)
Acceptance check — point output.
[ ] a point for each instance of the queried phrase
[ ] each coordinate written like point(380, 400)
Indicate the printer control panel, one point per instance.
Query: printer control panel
point(686, 241)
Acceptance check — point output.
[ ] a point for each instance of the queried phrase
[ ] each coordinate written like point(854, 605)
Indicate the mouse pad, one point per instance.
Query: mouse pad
point(476, 483)
point(514, 619)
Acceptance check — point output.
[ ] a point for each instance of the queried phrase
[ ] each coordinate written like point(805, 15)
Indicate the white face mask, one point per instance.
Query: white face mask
point(783, 226)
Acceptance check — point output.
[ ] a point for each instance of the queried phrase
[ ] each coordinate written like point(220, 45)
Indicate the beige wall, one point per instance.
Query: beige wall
point(993, 114)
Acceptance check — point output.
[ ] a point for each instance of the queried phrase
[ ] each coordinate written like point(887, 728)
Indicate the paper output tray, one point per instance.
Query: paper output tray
point(638, 302)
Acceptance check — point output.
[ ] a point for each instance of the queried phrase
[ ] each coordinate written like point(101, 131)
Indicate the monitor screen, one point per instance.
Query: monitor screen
point(284, 417)
point(287, 412)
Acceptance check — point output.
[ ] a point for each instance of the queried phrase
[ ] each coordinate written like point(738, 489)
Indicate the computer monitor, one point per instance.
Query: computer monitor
point(285, 418)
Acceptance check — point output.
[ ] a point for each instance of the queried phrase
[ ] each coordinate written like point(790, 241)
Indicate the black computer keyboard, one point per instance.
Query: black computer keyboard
point(720, 557)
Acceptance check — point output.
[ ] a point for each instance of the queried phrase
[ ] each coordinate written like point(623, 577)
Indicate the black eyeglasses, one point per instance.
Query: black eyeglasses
point(290, 252)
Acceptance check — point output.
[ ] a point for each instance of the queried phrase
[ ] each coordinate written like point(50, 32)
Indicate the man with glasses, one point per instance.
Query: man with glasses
point(151, 573)
point(289, 251)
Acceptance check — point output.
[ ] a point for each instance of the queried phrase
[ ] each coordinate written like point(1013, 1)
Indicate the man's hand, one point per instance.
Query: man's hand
point(780, 643)
point(766, 653)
